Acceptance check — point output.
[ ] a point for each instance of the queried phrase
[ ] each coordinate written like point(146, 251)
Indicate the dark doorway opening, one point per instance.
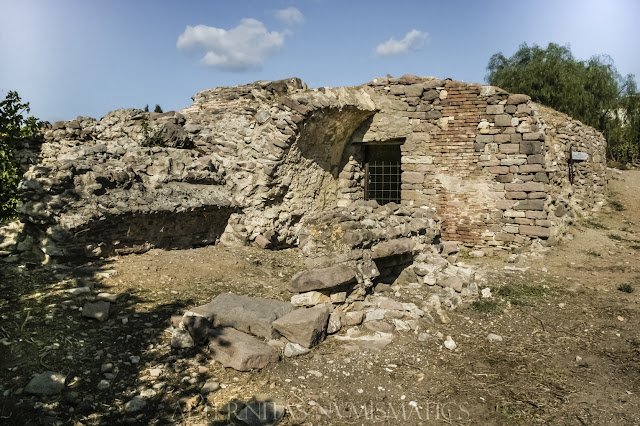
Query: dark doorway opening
point(383, 172)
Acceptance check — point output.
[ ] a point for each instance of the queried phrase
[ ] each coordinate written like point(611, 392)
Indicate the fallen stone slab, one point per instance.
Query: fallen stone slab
point(97, 310)
point(248, 314)
point(324, 278)
point(47, 383)
point(294, 349)
point(310, 298)
point(238, 350)
point(398, 247)
point(335, 321)
point(112, 298)
point(304, 326)
point(79, 290)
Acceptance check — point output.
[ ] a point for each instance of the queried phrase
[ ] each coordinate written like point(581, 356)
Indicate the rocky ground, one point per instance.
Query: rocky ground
point(556, 343)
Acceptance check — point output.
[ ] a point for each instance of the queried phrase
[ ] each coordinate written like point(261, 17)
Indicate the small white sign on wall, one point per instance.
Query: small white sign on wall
point(579, 156)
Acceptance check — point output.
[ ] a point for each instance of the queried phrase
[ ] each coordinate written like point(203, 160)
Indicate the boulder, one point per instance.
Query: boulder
point(97, 310)
point(324, 278)
point(305, 326)
point(47, 383)
point(248, 314)
point(238, 350)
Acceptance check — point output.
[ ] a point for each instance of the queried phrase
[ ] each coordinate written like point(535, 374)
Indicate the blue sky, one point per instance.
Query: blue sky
point(81, 57)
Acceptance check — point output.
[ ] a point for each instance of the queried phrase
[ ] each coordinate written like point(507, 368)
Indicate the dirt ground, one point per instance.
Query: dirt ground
point(570, 349)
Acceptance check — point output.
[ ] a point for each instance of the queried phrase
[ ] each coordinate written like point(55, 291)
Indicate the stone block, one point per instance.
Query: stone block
point(252, 315)
point(515, 195)
point(498, 170)
point(495, 109)
point(305, 326)
point(541, 177)
point(533, 136)
point(535, 159)
point(530, 147)
point(484, 138)
point(501, 138)
point(530, 168)
point(535, 231)
point(238, 350)
point(536, 214)
point(504, 178)
point(414, 90)
point(543, 222)
point(528, 186)
point(510, 148)
point(310, 298)
point(529, 205)
point(324, 278)
point(353, 318)
point(397, 90)
point(505, 204)
point(503, 120)
point(516, 99)
point(430, 95)
point(535, 195)
point(513, 213)
point(503, 236)
point(412, 177)
point(515, 138)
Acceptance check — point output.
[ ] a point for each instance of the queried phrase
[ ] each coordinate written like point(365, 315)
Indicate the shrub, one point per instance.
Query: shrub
point(13, 127)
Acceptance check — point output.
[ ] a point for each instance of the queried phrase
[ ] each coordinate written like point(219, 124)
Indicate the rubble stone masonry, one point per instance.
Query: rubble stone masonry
point(256, 164)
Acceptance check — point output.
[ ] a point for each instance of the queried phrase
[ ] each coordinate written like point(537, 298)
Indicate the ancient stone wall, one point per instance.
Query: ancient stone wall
point(264, 163)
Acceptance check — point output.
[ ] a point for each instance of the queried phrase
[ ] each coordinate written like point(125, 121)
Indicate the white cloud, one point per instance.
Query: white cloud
point(290, 16)
point(240, 48)
point(414, 40)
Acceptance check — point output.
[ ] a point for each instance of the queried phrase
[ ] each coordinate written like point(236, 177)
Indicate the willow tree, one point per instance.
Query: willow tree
point(591, 91)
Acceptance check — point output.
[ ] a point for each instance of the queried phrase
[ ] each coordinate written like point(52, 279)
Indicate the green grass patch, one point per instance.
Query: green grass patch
point(625, 288)
point(521, 294)
point(595, 225)
point(615, 237)
point(464, 254)
point(635, 247)
point(616, 205)
point(487, 306)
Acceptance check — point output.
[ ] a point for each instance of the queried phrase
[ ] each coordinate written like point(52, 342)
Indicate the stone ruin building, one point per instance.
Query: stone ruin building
point(335, 171)
point(364, 180)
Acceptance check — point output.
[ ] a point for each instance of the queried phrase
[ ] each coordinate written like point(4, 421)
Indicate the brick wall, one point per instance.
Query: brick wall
point(476, 154)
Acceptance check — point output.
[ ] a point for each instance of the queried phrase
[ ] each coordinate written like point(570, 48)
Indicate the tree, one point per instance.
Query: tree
point(591, 91)
point(158, 108)
point(146, 108)
point(13, 127)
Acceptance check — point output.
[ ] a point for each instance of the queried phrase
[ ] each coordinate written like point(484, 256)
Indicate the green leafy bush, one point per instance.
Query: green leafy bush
point(13, 127)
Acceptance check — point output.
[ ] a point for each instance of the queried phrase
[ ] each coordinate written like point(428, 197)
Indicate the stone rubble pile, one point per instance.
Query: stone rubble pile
point(245, 333)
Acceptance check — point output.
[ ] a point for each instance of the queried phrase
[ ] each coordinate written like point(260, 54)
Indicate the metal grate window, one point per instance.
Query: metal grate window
point(383, 174)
